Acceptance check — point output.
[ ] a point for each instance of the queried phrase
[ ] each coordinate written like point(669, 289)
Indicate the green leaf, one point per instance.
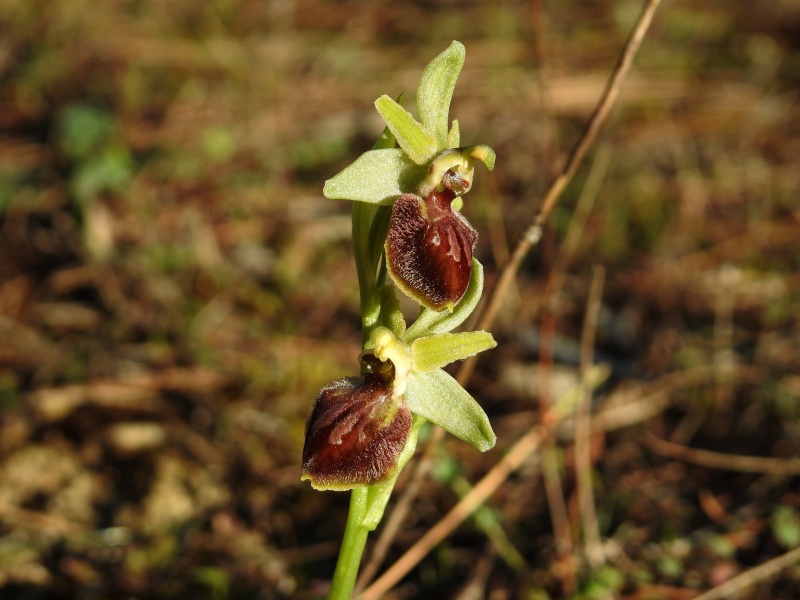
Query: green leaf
point(376, 177)
point(432, 322)
point(412, 137)
point(786, 527)
point(435, 351)
point(108, 172)
point(84, 130)
point(436, 90)
point(439, 398)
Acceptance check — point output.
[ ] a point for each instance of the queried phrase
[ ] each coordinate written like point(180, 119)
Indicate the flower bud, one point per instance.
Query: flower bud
point(429, 245)
point(357, 430)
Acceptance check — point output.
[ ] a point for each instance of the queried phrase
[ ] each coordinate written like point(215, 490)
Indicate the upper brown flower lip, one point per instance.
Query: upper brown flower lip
point(429, 245)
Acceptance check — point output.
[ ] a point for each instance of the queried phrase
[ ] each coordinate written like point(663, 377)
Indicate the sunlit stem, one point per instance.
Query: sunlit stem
point(362, 216)
point(367, 505)
point(355, 538)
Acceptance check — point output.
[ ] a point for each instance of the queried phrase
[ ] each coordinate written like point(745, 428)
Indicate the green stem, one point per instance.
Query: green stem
point(366, 510)
point(362, 215)
point(355, 538)
point(367, 248)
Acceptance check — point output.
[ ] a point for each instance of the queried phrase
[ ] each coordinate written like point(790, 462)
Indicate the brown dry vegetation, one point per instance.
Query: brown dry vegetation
point(174, 289)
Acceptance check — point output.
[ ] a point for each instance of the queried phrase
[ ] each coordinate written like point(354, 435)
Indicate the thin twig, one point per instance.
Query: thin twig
point(526, 445)
point(533, 232)
point(577, 223)
point(787, 467)
point(475, 588)
point(656, 400)
point(583, 462)
point(550, 454)
point(744, 580)
point(559, 517)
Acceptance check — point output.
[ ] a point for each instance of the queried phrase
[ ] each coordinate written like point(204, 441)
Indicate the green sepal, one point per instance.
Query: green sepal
point(436, 351)
point(411, 136)
point(454, 137)
point(376, 177)
point(431, 322)
point(439, 398)
point(436, 91)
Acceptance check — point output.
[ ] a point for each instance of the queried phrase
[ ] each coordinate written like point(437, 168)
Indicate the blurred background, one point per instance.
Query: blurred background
point(174, 289)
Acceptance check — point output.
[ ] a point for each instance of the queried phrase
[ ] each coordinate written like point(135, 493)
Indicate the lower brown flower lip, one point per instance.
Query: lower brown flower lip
point(429, 247)
point(356, 431)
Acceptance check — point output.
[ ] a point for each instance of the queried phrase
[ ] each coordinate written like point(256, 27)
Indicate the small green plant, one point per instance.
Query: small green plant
point(407, 197)
point(100, 162)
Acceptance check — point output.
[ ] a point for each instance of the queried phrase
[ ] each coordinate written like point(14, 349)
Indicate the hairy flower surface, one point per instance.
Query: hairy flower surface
point(356, 431)
point(429, 246)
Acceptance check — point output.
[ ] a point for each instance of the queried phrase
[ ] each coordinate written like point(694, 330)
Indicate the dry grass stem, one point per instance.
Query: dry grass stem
point(475, 588)
point(583, 462)
point(551, 456)
point(557, 504)
point(526, 445)
point(788, 467)
point(577, 224)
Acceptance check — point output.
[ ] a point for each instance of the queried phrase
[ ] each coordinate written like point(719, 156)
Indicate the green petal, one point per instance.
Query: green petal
point(420, 145)
point(454, 137)
point(436, 351)
point(436, 90)
point(439, 398)
point(482, 152)
point(377, 177)
point(432, 322)
point(387, 139)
